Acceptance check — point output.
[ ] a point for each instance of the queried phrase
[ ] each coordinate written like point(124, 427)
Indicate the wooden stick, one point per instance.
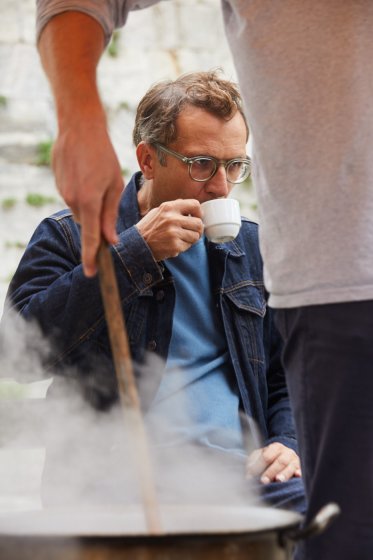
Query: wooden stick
point(128, 394)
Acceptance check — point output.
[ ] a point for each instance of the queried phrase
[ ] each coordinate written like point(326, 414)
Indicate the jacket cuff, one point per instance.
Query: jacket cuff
point(285, 440)
point(136, 259)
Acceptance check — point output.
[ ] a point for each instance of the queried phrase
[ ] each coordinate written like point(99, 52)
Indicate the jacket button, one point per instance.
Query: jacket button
point(152, 345)
point(159, 295)
point(148, 278)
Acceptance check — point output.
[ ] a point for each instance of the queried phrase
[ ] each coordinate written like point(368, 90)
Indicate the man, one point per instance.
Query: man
point(199, 306)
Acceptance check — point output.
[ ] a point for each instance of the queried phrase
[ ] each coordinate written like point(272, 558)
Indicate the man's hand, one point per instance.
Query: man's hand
point(274, 463)
point(89, 179)
point(172, 227)
point(86, 168)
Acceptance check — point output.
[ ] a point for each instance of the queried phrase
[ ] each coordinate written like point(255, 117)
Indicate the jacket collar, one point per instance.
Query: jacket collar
point(234, 248)
point(129, 213)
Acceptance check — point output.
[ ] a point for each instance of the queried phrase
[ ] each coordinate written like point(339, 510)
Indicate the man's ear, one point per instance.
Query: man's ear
point(146, 155)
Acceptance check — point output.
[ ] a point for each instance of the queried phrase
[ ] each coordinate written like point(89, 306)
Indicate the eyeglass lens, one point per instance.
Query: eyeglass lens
point(203, 168)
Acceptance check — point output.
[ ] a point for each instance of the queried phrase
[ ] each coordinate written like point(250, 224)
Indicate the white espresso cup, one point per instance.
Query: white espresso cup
point(222, 219)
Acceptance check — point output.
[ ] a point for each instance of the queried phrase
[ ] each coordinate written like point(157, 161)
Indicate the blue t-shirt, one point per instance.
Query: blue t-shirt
point(198, 400)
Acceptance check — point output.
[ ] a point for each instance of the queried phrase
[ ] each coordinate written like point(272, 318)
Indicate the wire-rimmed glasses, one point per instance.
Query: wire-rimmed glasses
point(203, 168)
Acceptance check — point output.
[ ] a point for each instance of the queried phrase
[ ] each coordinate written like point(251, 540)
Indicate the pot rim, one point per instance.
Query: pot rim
point(129, 522)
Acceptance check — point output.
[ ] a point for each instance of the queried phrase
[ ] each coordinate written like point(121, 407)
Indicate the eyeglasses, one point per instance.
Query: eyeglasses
point(203, 168)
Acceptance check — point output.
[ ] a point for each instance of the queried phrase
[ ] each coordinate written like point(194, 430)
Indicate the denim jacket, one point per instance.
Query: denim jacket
point(49, 286)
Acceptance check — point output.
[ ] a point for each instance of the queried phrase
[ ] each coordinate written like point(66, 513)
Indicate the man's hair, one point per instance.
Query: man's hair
point(159, 108)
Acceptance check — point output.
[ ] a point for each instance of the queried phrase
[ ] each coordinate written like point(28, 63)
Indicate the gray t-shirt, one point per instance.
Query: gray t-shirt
point(305, 70)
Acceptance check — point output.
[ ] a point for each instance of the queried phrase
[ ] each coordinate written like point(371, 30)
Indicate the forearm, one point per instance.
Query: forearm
point(70, 48)
point(281, 426)
point(84, 162)
point(280, 423)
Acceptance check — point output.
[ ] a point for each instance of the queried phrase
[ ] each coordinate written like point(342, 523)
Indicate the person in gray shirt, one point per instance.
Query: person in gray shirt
point(305, 72)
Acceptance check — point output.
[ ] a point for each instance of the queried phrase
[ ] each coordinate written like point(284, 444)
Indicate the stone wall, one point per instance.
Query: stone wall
point(157, 43)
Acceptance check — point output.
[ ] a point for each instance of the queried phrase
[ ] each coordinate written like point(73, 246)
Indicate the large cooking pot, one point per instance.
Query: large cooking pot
point(189, 532)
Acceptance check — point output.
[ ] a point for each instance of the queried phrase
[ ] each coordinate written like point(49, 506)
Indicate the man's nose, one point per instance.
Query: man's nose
point(218, 185)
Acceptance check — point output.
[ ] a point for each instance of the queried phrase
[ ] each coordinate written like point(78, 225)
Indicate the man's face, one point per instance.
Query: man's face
point(199, 133)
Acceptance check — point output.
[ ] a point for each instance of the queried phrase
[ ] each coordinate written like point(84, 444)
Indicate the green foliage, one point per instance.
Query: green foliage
point(248, 183)
point(124, 105)
point(113, 48)
point(12, 390)
point(9, 278)
point(3, 101)
point(125, 172)
point(44, 153)
point(254, 206)
point(15, 245)
point(8, 203)
point(38, 200)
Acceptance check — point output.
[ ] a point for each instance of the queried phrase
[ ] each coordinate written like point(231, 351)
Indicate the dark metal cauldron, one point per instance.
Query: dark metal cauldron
point(190, 533)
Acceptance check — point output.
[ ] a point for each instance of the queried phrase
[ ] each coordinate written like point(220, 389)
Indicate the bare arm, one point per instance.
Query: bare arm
point(85, 165)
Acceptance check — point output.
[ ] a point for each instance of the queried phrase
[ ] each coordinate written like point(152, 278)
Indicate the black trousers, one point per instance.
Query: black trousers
point(328, 357)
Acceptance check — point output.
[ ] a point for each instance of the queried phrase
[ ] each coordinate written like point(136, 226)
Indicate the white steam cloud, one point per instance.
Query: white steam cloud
point(90, 459)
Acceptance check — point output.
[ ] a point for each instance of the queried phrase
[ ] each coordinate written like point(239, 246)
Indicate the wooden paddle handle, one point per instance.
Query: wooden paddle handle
point(128, 394)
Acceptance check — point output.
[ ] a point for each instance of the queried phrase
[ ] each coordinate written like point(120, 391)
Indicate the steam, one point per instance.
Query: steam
point(89, 454)
point(23, 349)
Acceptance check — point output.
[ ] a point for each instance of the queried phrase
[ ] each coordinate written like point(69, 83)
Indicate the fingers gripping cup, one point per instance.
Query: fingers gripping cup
point(222, 219)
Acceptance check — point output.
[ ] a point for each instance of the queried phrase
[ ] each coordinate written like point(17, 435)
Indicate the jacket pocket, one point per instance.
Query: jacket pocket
point(247, 296)
point(244, 309)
